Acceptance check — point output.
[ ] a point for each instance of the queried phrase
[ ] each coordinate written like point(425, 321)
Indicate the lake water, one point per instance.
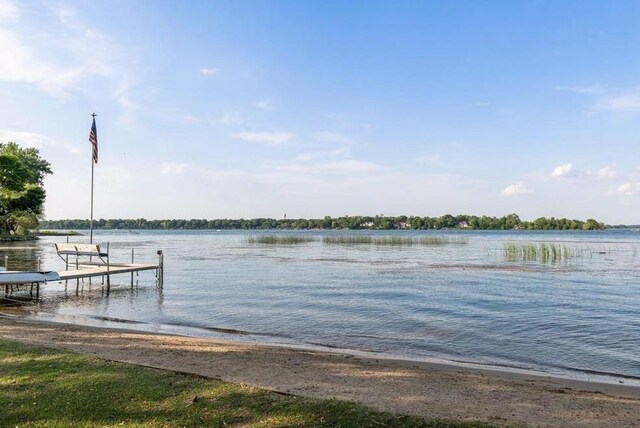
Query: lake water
point(579, 317)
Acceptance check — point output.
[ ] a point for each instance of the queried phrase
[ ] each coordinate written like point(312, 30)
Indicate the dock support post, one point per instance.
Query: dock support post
point(6, 267)
point(38, 264)
point(108, 268)
point(66, 262)
point(132, 258)
point(160, 269)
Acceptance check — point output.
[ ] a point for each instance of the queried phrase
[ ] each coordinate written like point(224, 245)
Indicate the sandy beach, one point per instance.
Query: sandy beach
point(443, 391)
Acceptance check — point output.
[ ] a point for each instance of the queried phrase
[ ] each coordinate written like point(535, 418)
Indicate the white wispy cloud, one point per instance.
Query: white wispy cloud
point(338, 188)
point(173, 168)
point(122, 96)
point(209, 71)
point(80, 59)
point(519, 188)
point(38, 141)
point(621, 102)
point(8, 10)
point(85, 51)
point(268, 138)
point(428, 159)
point(608, 171)
point(190, 118)
point(593, 89)
point(332, 137)
point(346, 166)
point(25, 139)
point(25, 67)
point(263, 105)
point(629, 188)
point(565, 170)
point(305, 157)
point(230, 118)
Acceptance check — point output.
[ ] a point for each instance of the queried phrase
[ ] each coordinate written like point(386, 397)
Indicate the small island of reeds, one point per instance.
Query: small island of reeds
point(542, 252)
point(358, 240)
point(393, 240)
point(280, 239)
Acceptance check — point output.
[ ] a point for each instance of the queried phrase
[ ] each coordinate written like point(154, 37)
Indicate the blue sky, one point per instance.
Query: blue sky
point(260, 108)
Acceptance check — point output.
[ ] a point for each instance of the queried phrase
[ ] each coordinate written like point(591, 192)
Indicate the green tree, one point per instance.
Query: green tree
point(592, 224)
point(22, 195)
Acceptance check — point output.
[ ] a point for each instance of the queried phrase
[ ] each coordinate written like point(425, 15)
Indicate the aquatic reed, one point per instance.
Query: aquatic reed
point(347, 240)
point(280, 239)
point(392, 240)
point(543, 252)
point(440, 240)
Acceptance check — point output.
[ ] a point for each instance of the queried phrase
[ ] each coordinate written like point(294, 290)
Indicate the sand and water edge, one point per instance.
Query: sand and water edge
point(438, 390)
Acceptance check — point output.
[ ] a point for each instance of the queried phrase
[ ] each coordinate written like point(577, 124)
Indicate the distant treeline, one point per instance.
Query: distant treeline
point(508, 222)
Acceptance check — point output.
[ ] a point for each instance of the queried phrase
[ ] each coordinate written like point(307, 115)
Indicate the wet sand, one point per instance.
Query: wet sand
point(432, 390)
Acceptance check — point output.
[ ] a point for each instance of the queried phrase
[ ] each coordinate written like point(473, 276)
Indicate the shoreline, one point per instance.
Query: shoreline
point(430, 389)
point(574, 376)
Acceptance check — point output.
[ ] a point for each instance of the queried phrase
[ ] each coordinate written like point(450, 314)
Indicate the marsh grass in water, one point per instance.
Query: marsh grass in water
point(50, 388)
point(543, 252)
point(392, 240)
point(280, 239)
point(440, 240)
point(357, 240)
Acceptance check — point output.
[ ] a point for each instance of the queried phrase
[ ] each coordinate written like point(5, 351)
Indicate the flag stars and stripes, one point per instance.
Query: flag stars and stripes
point(93, 139)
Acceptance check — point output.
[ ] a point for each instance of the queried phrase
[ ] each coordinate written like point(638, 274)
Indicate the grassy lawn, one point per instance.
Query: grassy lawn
point(44, 387)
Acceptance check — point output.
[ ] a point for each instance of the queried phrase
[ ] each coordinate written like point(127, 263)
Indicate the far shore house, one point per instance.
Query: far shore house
point(463, 225)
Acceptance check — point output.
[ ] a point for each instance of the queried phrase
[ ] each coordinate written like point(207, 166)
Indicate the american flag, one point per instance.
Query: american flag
point(93, 139)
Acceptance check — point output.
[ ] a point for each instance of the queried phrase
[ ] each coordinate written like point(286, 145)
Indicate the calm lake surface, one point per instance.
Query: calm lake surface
point(579, 317)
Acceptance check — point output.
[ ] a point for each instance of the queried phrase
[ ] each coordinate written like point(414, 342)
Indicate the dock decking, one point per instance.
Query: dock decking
point(88, 271)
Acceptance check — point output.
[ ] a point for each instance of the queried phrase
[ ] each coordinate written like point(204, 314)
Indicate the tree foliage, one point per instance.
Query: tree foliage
point(22, 195)
point(381, 222)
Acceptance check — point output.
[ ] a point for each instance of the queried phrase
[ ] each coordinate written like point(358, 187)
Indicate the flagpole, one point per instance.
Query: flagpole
point(91, 221)
point(92, 166)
